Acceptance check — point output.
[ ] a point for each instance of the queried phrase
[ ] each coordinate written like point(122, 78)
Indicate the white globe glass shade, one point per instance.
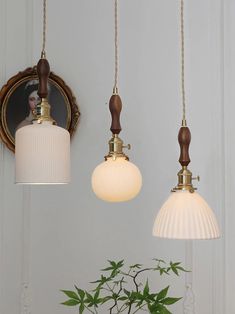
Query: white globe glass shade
point(42, 154)
point(116, 180)
point(186, 215)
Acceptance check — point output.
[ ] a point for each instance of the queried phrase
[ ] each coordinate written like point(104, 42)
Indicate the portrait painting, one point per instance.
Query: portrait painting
point(19, 100)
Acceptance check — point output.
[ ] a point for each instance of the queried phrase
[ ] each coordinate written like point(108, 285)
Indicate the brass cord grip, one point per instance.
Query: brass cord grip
point(115, 90)
point(43, 54)
point(185, 177)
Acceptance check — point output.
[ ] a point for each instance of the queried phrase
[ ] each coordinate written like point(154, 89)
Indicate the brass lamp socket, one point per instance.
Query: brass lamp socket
point(185, 179)
point(43, 110)
point(116, 148)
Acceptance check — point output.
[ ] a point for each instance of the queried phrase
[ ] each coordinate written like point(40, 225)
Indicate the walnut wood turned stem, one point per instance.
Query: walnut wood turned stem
point(115, 107)
point(184, 138)
point(43, 71)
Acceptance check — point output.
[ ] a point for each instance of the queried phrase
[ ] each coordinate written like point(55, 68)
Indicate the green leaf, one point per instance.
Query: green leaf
point(182, 269)
point(138, 266)
point(122, 298)
point(158, 309)
point(162, 271)
point(126, 292)
point(112, 263)
point(169, 301)
point(120, 263)
point(162, 294)
point(80, 292)
point(174, 269)
point(164, 310)
point(107, 268)
point(106, 299)
point(71, 302)
point(96, 294)
point(101, 282)
point(70, 294)
point(159, 260)
point(146, 288)
point(81, 308)
point(152, 296)
point(89, 297)
point(115, 267)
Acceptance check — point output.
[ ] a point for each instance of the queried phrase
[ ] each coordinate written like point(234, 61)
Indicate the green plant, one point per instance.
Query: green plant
point(125, 291)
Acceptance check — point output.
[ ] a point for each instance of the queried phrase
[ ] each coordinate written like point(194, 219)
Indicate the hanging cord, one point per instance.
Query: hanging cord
point(115, 88)
point(182, 62)
point(43, 54)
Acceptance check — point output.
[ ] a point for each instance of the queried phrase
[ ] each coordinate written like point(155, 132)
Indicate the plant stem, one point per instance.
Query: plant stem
point(89, 310)
point(115, 304)
point(135, 276)
point(129, 310)
point(118, 293)
point(110, 289)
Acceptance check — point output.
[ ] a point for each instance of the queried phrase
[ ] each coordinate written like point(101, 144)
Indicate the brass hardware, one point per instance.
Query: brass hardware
point(43, 112)
point(43, 55)
point(184, 123)
point(116, 148)
point(115, 90)
point(128, 146)
point(185, 181)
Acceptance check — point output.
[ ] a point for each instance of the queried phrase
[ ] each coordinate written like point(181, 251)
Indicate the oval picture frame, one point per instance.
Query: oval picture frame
point(16, 108)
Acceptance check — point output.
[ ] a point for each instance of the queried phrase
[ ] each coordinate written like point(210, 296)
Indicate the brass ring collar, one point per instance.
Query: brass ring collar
point(185, 179)
point(116, 147)
point(42, 112)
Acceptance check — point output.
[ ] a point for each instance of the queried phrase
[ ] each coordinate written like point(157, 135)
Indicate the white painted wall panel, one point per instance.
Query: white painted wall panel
point(53, 237)
point(229, 80)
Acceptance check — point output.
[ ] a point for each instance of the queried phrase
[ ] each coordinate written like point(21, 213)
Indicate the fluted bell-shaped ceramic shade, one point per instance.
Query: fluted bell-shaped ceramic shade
point(186, 215)
point(42, 154)
point(116, 180)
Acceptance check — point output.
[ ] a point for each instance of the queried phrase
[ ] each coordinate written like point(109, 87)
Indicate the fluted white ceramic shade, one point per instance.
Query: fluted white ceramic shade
point(116, 180)
point(186, 215)
point(42, 154)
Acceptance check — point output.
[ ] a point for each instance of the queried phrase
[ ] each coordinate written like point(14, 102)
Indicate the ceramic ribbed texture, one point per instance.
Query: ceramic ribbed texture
point(186, 215)
point(42, 155)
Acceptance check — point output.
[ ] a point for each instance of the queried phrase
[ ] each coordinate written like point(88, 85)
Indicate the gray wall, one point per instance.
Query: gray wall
point(53, 237)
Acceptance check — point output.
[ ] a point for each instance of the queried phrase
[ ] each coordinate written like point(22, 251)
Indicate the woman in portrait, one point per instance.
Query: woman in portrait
point(32, 99)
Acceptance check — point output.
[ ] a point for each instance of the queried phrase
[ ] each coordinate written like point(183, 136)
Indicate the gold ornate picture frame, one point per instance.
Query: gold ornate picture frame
point(18, 98)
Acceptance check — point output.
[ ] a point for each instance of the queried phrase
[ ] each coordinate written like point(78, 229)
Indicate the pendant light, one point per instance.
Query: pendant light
point(116, 179)
point(185, 215)
point(42, 149)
